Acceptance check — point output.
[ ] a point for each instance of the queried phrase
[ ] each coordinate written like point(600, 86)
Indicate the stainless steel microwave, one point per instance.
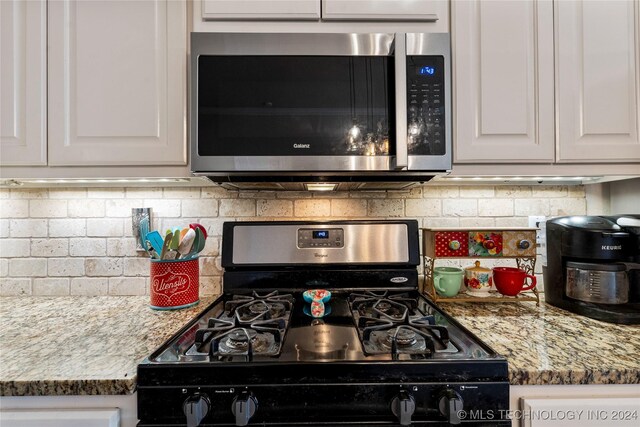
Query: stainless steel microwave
point(347, 108)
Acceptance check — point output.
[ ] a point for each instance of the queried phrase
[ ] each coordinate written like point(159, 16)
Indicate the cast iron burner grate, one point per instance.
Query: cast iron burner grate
point(250, 325)
point(392, 323)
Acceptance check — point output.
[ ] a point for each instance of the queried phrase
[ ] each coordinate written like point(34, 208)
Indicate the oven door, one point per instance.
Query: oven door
point(307, 102)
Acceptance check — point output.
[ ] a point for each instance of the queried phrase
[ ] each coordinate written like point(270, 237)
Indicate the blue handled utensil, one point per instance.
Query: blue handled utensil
point(156, 241)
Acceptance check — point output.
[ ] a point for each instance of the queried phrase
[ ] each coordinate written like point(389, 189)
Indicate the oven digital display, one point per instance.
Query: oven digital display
point(320, 234)
point(426, 71)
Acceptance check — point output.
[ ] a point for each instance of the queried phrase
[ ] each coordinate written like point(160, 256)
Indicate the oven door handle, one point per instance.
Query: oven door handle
point(400, 62)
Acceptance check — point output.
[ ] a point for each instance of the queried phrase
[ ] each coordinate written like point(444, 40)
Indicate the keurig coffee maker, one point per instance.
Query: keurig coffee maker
point(593, 266)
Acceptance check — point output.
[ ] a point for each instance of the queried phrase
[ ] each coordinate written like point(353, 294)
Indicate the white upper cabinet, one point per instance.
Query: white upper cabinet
point(117, 82)
point(23, 82)
point(261, 9)
point(386, 10)
point(598, 72)
point(503, 81)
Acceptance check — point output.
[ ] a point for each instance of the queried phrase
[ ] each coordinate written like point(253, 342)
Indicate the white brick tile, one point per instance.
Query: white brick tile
point(105, 227)
point(294, 195)
point(378, 194)
point(51, 286)
point(127, 286)
point(5, 193)
point(200, 208)
point(49, 247)
point(536, 206)
point(514, 192)
point(412, 193)
point(121, 208)
point(211, 246)
point(385, 208)
point(441, 222)
point(473, 191)
point(105, 193)
point(430, 191)
point(237, 207)
point(30, 193)
point(209, 267)
point(68, 267)
point(460, 207)
point(87, 247)
point(136, 267)
point(312, 208)
point(67, 193)
point(14, 248)
point(211, 285)
point(162, 208)
point(67, 227)
point(101, 267)
point(15, 287)
point(27, 267)
point(144, 193)
point(14, 208)
point(215, 192)
point(275, 208)
point(548, 191)
point(349, 207)
point(495, 207)
point(89, 286)
point(121, 247)
point(4, 228)
point(165, 224)
point(28, 228)
point(423, 207)
point(4, 267)
point(48, 208)
point(567, 206)
point(257, 195)
point(332, 194)
point(577, 191)
point(86, 208)
point(181, 193)
point(477, 222)
point(213, 225)
point(512, 222)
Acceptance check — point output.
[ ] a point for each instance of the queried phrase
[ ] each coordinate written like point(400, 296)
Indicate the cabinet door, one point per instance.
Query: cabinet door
point(23, 82)
point(60, 418)
point(598, 71)
point(261, 9)
point(503, 65)
point(386, 10)
point(117, 82)
point(580, 412)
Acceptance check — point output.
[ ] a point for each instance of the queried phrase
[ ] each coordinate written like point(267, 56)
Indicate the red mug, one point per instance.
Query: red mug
point(510, 281)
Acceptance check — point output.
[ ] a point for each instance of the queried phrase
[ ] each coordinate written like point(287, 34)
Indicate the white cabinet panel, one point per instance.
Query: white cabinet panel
point(503, 65)
point(60, 418)
point(598, 72)
point(23, 82)
point(261, 9)
point(581, 412)
point(386, 10)
point(117, 83)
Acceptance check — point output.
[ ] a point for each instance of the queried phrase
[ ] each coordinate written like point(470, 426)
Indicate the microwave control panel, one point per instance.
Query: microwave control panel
point(426, 105)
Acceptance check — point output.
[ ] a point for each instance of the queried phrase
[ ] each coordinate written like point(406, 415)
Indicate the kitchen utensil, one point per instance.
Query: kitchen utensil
point(166, 243)
point(175, 240)
point(183, 232)
point(156, 241)
point(198, 244)
point(510, 281)
point(478, 280)
point(185, 244)
point(447, 280)
point(201, 227)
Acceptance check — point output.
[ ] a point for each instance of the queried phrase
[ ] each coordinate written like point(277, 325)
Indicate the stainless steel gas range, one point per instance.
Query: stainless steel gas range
point(371, 351)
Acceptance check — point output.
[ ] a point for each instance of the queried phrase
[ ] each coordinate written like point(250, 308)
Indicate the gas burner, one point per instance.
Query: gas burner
point(248, 309)
point(239, 338)
point(404, 337)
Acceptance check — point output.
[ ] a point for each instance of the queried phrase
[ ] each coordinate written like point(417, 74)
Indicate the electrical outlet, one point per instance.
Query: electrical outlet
point(534, 221)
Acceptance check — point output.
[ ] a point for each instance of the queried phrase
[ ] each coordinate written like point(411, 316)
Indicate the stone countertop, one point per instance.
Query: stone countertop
point(80, 345)
point(547, 345)
point(92, 345)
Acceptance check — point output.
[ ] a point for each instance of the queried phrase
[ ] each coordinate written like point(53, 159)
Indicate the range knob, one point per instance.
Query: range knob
point(450, 404)
point(403, 406)
point(244, 407)
point(196, 407)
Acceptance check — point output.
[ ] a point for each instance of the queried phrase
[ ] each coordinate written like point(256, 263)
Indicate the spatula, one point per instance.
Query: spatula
point(185, 244)
point(166, 244)
point(198, 244)
point(156, 241)
point(143, 228)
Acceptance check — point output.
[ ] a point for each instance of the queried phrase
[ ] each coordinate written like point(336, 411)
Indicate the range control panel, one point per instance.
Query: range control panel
point(320, 238)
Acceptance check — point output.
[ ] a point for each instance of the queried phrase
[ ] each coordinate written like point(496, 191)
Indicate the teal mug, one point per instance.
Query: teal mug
point(447, 280)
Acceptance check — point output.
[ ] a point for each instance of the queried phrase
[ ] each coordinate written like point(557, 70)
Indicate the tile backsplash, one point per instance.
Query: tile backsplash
point(79, 241)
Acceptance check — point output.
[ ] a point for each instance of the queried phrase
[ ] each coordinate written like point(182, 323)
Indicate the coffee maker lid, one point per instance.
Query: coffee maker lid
point(594, 223)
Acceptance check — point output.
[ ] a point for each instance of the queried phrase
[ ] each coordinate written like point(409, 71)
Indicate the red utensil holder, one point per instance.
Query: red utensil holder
point(174, 284)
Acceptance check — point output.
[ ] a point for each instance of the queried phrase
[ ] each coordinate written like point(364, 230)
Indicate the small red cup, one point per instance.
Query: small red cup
point(174, 283)
point(511, 281)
